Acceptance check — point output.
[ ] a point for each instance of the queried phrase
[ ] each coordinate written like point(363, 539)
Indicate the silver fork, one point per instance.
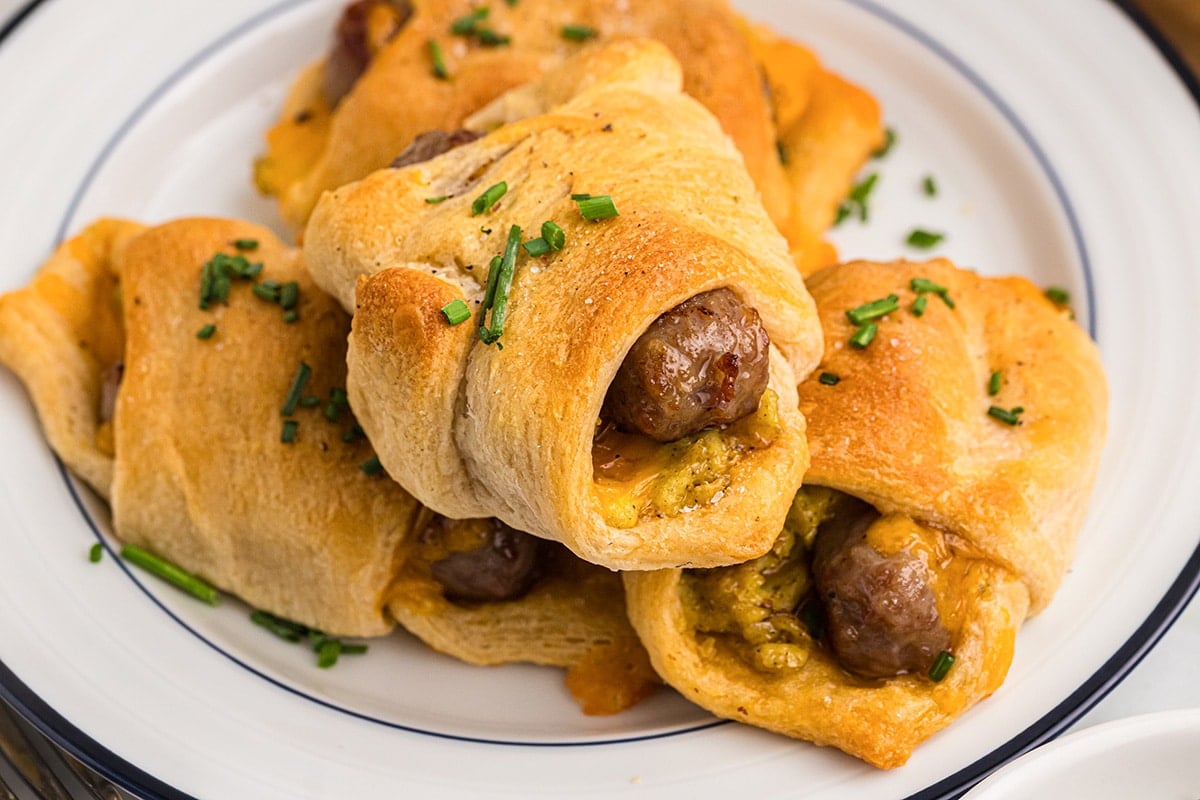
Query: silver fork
point(43, 768)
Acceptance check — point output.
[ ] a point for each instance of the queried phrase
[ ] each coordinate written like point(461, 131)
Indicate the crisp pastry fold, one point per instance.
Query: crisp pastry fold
point(928, 527)
point(508, 429)
point(193, 464)
point(802, 130)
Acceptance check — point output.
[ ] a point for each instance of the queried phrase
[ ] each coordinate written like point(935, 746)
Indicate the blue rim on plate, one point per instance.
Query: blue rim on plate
point(92, 753)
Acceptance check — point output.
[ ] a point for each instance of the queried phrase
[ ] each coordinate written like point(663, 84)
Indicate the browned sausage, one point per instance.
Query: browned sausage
point(882, 617)
point(354, 42)
point(433, 143)
point(699, 365)
point(503, 569)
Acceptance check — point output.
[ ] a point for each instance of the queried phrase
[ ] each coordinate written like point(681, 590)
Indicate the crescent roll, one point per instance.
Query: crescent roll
point(685, 269)
point(184, 434)
point(397, 69)
point(952, 458)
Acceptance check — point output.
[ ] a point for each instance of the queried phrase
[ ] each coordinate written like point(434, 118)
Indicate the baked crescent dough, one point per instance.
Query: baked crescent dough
point(473, 430)
point(317, 145)
point(194, 468)
point(993, 508)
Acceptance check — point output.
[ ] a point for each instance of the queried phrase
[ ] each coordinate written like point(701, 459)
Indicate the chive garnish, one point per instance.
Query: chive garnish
point(293, 396)
point(290, 428)
point(923, 239)
point(489, 38)
point(554, 235)
point(1007, 416)
point(498, 302)
point(489, 198)
point(96, 553)
point(993, 387)
point(353, 649)
point(874, 309)
point(929, 186)
point(918, 306)
point(266, 291)
point(439, 63)
point(172, 574)
point(466, 24)
point(829, 379)
point(456, 312)
point(289, 295)
point(864, 335)
point(580, 196)
point(596, 207)
point(246, 244)
point(372, 466)
point(338, 401)
point(889, 141)
point(856, 201)
point(537, 247)
point(283, 628)
point(206, 332)
point(925, 286)
point(328, 651)
point(291, 316)
point(310, 401)
point(1058, 295)
point(578, 33)
point(941, 666)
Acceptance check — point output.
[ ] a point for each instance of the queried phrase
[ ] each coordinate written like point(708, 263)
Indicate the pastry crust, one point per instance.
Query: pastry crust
point(473, 430)
point(315, 148)
point(906, 428)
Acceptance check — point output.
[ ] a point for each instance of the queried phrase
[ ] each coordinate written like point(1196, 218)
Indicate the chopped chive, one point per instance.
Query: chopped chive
point(433, 201)
point(489, 292)
point(925, 286)
point(456, 312)
point(580, 196)
point(923, 239)
point(856, 200)
point(1058, 295)
point(246, 244)
point(310, 401)
point(272, 284)
point(465, 25)
point(578, 33)
point(266, 292)
point(283, 628)
point(993, 387)
point(489, 198)
point(554, 235)
point(96, 553)
point(353, 649)
point(874, 309)
point(918, 306)
point(889, 141)
point(537, 247)
point(338, 402)
point(864, 335)
point(206, 284)
point(372, 466)
point(596, 207)
point(439, 63)
point(1007, 416)
point(843, 213)
point(941, 666)
point(293, 396)
point(290, 428)
point(289, 295)
point(291, 315)
point(489, 38)
point(327, 653)
point(206, 332)
point(829, 379)
point(503, 284)
point(929, 186)
point(164, 569)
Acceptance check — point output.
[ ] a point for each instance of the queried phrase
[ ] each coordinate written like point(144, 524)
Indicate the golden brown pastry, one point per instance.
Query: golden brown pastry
point(192, 462)
point(952, 460)
point(487, 594)
point(639, 406)
point(802, 132)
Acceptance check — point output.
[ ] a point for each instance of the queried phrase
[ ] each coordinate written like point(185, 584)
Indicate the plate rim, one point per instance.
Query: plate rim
point(62, 732)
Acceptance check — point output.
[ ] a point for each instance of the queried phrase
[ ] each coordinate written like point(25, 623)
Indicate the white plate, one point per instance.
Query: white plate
point(1065, 149)
point(1147, 756)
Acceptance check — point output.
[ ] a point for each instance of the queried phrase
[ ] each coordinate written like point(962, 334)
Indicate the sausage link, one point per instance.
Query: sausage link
point(354, 42)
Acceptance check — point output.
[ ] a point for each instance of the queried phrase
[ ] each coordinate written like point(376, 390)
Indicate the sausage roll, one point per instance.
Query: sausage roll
point(399, 68)
point(955, 426)
point(640, 405)
point(183, 407)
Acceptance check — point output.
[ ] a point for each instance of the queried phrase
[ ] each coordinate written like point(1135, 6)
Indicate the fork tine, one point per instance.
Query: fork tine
point(26, 760)
point(98, 788)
